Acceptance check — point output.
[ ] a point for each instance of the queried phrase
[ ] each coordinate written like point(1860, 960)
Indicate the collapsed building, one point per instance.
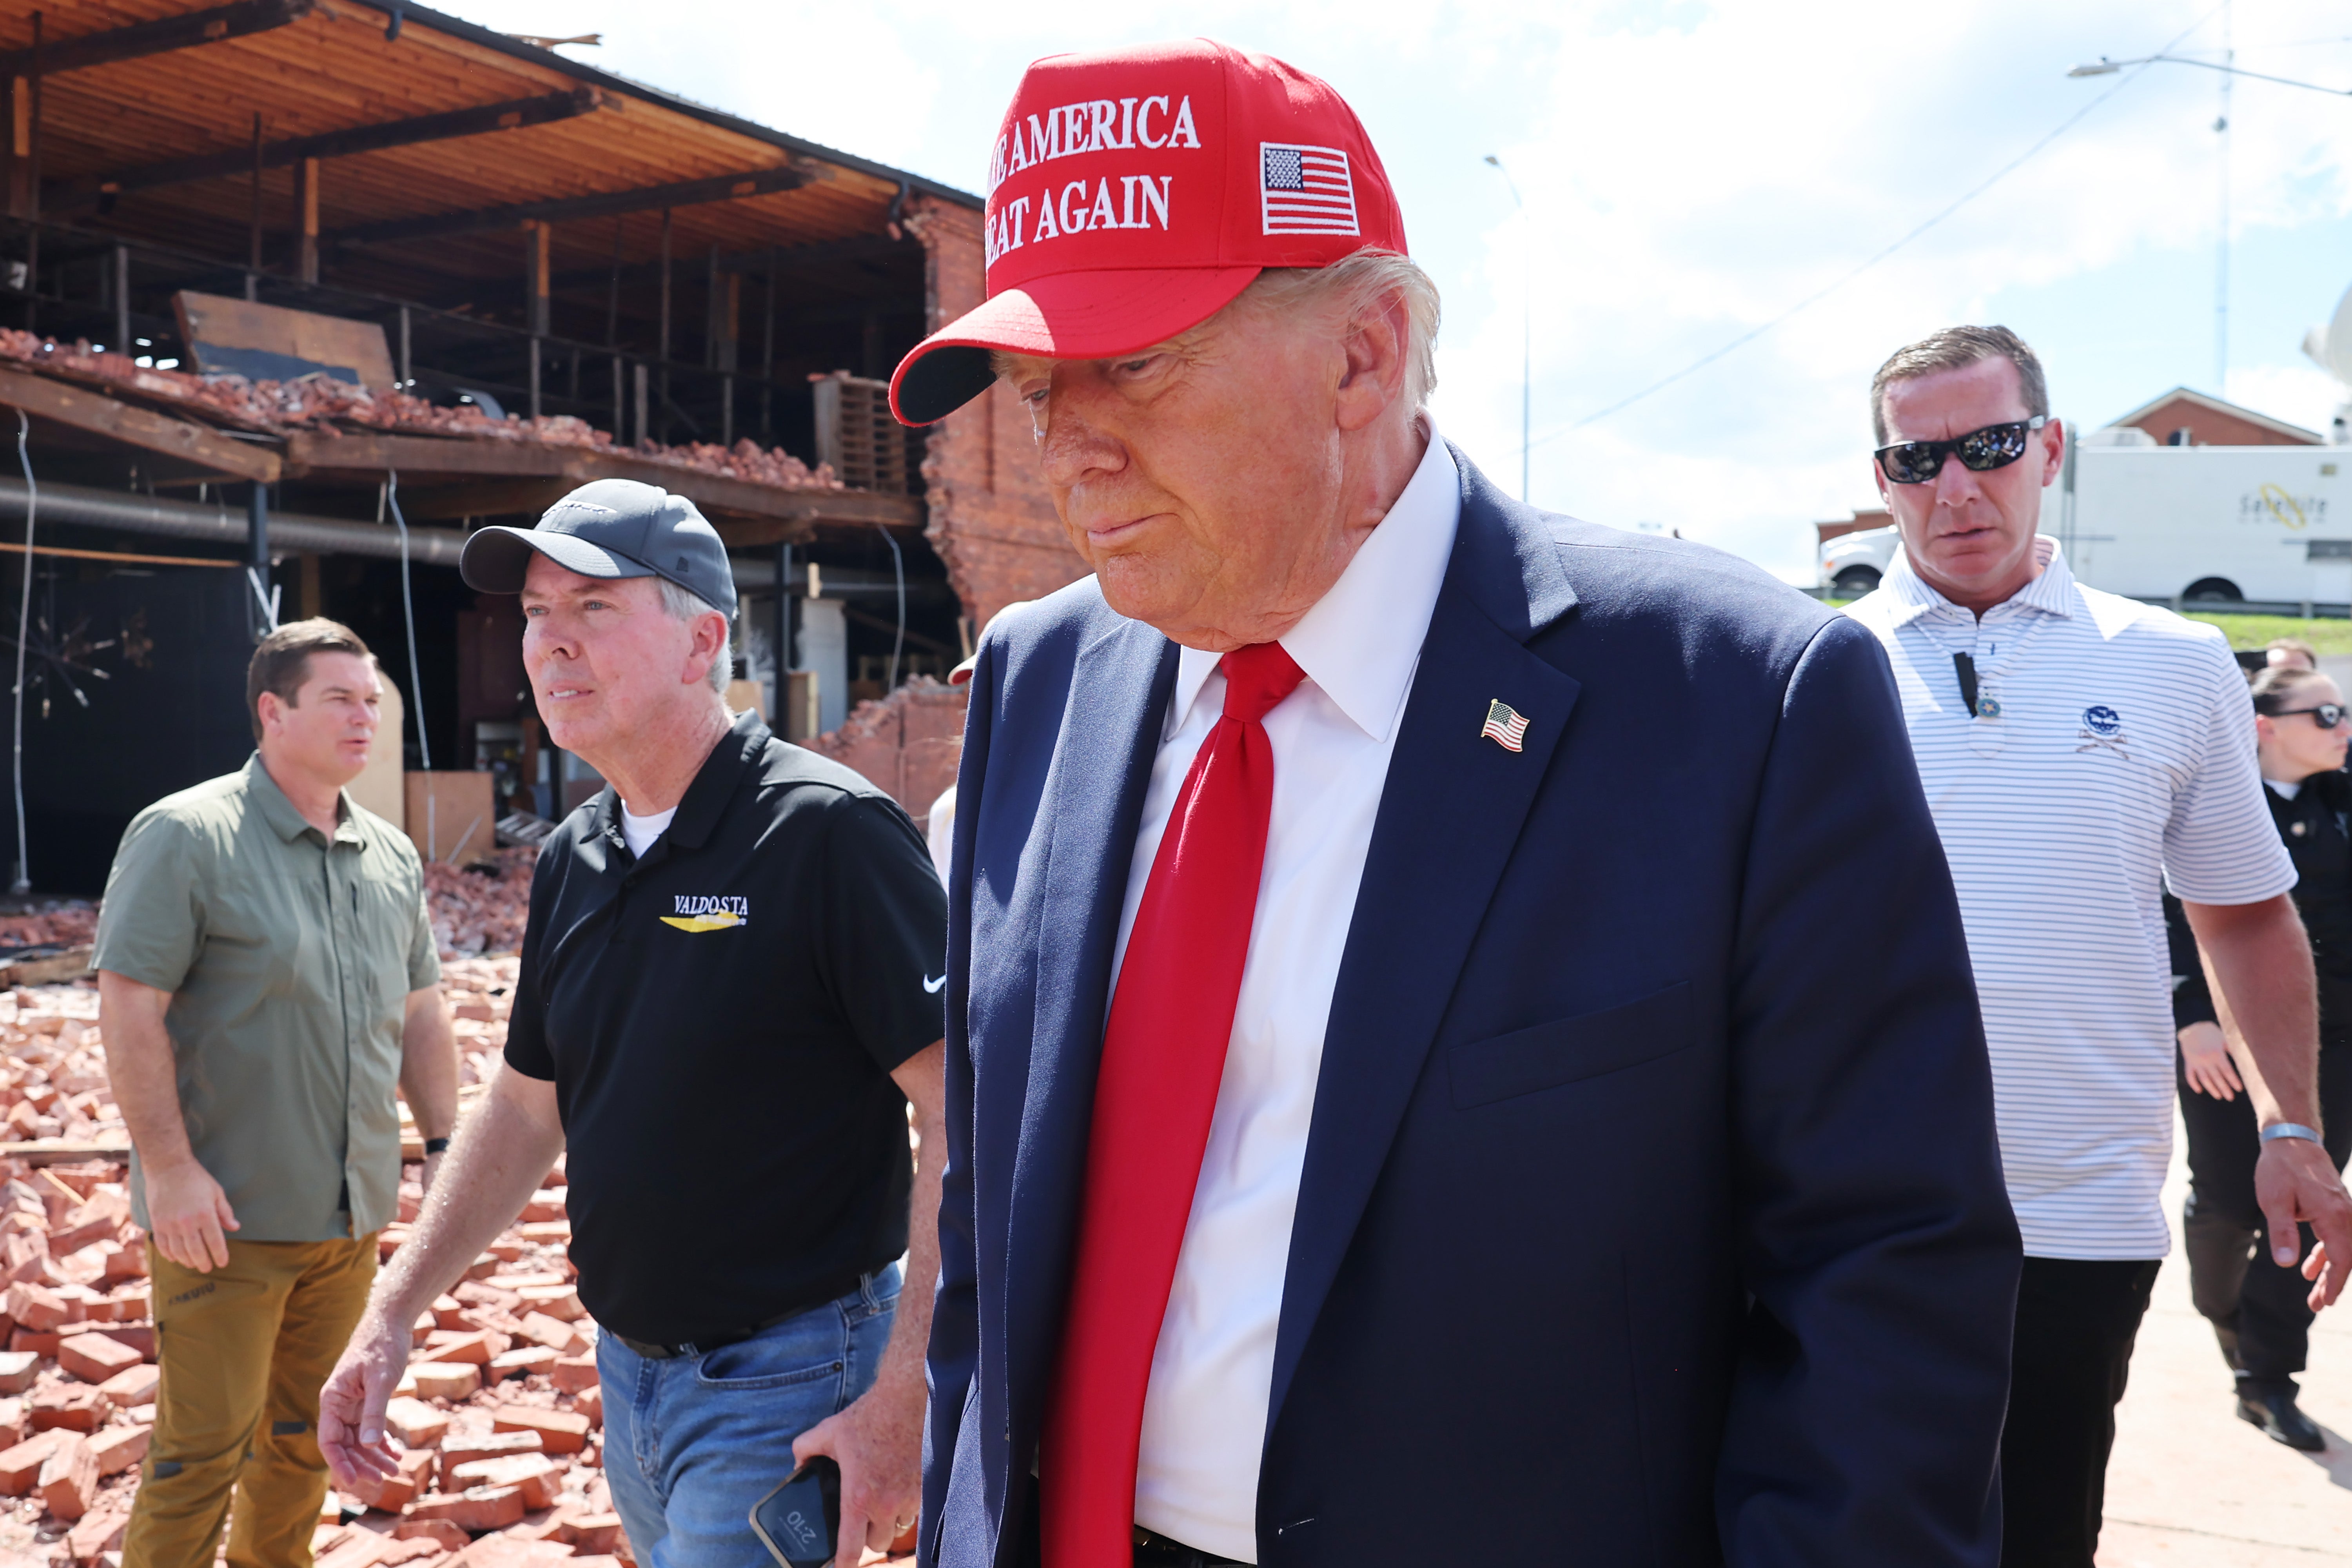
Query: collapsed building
point(295, 293)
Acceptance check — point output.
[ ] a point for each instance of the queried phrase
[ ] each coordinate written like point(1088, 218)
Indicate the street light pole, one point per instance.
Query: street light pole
point(2106, 66)
point(2222, 243)
point(1526, 322)
point(2227, 65)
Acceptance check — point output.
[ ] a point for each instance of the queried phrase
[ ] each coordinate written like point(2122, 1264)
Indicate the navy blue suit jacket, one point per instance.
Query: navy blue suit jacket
point(1652, 1209)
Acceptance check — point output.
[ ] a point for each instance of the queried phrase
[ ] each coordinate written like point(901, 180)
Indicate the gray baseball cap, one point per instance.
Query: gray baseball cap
point(611, 528)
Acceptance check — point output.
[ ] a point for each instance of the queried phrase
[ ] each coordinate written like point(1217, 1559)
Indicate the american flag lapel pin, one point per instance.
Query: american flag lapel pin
point(1505, 725)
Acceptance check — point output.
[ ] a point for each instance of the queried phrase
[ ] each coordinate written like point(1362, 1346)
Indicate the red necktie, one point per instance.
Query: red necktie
point(1163, 1056)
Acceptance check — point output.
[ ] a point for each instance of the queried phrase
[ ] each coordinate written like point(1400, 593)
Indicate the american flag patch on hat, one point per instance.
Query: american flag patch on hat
point(1306, 190)
point(1506, 726)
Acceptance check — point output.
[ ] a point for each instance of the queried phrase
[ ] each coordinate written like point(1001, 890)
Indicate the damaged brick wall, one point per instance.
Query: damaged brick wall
point(992, 522)
point(909, 743)
point(993, 519)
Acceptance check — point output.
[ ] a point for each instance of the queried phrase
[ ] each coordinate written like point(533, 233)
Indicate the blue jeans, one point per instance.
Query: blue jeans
point(692, 1443)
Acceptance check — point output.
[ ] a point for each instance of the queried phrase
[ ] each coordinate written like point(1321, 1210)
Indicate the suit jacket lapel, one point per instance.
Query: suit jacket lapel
point(1093, 805)
point(1450, 812)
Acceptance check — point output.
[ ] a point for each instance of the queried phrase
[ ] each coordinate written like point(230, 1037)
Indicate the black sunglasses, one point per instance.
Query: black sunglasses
point(1979, 451)
point(2328, 715)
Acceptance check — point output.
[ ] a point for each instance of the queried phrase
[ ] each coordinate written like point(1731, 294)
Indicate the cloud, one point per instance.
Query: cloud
point(1690, 171)
point(2300, 395)
point(1687, 185)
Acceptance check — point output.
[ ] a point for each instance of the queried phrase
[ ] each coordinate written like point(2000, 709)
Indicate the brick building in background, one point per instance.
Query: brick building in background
point(2181, 418)
point(992, 521)
point(992, 525)
point(2185, 418)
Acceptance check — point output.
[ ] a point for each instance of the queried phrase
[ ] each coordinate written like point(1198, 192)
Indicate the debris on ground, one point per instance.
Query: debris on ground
point(50, 922)
point(480, 907)
point(475, 910)
point(499, 1419)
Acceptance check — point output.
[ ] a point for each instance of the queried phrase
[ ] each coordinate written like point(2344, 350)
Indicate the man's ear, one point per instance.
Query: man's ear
point(2054, 441)
point(1375, 349)
point(711, 646)
point(271, 708)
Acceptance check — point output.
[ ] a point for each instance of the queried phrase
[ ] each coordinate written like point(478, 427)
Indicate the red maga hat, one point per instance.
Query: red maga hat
point(1133, 194)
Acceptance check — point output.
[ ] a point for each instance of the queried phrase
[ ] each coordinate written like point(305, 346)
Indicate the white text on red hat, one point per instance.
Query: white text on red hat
point(1097, 125)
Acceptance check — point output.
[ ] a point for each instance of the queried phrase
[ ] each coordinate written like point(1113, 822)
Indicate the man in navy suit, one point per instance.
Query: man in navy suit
point(1460, 1034)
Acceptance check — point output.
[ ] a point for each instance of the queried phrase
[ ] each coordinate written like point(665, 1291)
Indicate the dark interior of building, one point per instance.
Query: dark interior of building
point(533, 238)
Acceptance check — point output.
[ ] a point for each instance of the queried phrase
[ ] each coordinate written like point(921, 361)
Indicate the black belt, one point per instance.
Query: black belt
point(1153, 1549)
point(721, 1340)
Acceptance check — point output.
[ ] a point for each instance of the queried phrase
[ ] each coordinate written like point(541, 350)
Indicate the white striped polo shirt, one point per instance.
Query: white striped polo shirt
point(2114, 745)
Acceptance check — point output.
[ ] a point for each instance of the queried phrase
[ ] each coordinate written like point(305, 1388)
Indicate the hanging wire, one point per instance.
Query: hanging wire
point(390, 496)
point(23, 883)
point(1826, 290)
point(898, 570)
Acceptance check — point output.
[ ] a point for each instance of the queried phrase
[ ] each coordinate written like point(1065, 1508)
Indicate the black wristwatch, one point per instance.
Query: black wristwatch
point(437, 1146)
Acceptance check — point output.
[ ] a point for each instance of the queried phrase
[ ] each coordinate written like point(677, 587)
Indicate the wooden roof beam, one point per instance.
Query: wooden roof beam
point(116, 43)
point(546, 110)
point(859, 247)
point(102, 415)
point(648, 198)
point(752, 263)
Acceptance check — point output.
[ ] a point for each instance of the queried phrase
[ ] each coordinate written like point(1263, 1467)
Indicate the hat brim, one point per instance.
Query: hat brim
point(497, 559)
point(1070, 315)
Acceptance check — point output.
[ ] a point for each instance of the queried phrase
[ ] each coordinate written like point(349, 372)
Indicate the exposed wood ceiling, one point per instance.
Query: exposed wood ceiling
point(330, 71)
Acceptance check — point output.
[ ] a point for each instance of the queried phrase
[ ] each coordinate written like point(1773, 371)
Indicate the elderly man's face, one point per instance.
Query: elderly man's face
point(607, 662)
point(1969, 535)
point(1210, 480)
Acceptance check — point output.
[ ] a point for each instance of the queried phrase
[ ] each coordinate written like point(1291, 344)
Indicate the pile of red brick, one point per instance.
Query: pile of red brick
point(76, 1378)
point(498, 1419)
point(328, 405)
point(474, 911)
point(482, 908)
point(54, 922)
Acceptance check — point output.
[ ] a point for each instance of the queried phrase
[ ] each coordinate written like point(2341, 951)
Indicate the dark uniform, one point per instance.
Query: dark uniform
point(2256, 1308)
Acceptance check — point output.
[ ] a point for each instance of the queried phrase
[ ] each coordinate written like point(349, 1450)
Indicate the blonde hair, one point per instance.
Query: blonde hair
point(1349, 288)
point(1344, 290)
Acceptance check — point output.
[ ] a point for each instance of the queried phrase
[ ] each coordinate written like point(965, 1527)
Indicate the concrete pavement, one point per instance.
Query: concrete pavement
point(2190, 1486)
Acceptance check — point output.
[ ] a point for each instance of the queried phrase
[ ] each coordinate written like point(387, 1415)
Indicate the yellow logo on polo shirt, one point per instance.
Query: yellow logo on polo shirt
point(701, 913)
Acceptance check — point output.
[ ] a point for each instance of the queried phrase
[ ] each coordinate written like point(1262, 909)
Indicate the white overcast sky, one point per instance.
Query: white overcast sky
point(1690, 173)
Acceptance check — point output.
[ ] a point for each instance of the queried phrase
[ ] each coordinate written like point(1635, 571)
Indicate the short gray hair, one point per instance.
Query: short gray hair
point(684, 605)
point(1355, 285)
point(1957, 348)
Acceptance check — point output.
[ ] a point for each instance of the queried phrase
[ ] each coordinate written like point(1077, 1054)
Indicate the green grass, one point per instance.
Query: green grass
point(2255, 631)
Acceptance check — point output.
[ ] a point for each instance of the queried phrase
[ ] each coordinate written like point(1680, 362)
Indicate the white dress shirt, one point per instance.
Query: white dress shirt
point(1211, 1374)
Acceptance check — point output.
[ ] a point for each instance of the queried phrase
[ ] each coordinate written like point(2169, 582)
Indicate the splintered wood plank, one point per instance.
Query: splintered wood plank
point(103, 416)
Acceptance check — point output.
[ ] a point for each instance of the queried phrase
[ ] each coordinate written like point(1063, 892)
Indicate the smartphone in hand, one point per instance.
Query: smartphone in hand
point(800, 1520)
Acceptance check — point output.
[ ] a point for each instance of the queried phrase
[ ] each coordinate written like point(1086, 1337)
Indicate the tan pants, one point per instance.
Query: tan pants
point(242, 1351)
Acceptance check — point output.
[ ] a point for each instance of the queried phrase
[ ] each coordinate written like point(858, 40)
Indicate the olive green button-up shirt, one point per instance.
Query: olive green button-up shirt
point(289, 957)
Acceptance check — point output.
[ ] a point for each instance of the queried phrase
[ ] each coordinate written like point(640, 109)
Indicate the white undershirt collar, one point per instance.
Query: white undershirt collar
point(639, 832)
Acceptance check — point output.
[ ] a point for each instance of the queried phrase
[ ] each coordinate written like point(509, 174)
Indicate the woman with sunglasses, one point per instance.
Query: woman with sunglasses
point(2257, 1309)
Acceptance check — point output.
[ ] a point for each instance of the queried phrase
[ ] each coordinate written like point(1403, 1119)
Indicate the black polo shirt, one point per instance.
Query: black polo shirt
point(720, 1020)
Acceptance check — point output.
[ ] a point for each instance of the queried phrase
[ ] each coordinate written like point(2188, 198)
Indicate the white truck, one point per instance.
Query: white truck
point(2267, 525)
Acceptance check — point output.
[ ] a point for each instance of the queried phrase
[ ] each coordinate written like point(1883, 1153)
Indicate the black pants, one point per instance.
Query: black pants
point(2231, 1276)
point(2075, 1324)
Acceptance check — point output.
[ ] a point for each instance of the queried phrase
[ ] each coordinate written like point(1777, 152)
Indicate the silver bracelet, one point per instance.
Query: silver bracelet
point(2278, 1130)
